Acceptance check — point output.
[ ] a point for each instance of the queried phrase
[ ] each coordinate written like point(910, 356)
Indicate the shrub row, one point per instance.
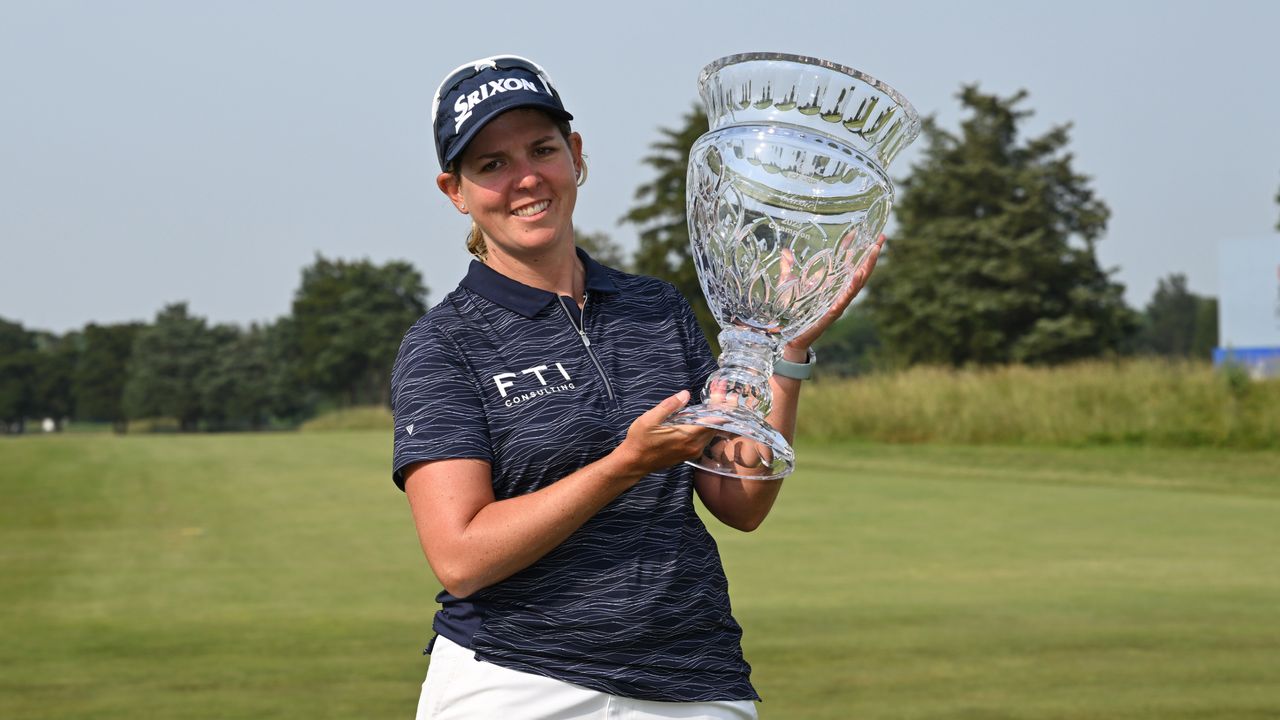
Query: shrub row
point(1144, 401)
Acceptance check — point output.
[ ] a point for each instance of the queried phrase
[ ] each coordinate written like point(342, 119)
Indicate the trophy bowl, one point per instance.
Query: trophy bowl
point(786, 195)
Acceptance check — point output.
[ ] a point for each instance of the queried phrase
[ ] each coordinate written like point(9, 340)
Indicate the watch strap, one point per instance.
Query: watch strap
point(794, 370)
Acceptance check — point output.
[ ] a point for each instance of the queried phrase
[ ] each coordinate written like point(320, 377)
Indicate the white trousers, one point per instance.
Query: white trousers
point(460, 688)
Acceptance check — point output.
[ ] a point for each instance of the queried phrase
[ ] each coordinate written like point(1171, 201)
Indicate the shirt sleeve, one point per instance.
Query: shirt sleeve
point(436, 404)
point(698, 355)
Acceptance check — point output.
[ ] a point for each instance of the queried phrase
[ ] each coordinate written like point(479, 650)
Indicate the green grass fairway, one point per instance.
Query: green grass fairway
point(278, 576)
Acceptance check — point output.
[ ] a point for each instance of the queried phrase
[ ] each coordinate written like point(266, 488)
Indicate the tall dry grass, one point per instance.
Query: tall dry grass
point(1143, 401)
point(361, 417)
point(1146, 401)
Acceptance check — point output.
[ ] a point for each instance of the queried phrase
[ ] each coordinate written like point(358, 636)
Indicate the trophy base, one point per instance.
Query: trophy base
point(746, 446)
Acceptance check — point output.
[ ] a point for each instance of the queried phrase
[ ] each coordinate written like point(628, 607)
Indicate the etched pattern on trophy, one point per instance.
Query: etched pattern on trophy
point(771, 261)
point(786, 195)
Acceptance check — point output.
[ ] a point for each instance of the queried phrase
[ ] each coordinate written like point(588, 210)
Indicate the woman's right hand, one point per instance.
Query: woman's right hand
point(651, 446)
point(473, 540)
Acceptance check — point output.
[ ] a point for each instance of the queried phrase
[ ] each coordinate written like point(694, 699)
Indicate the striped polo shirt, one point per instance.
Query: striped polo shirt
point(635, 602)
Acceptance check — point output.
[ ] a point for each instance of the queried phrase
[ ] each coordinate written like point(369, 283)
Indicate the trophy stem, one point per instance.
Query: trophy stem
point(746, 364)
point(736, 399)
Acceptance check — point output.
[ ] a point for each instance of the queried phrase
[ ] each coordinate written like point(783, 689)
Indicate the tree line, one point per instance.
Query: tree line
point(993, 261)
point(334, 348)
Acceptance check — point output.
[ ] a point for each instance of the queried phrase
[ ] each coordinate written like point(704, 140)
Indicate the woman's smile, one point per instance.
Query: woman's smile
point(532, 209)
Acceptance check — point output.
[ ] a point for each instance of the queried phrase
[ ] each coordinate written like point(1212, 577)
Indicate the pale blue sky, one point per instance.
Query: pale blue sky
point(152, 152)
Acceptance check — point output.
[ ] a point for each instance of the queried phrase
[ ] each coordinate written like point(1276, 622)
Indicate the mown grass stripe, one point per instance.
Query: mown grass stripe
point(278, 576)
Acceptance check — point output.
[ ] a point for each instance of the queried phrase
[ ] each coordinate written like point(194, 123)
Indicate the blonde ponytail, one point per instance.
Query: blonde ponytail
point(475, 242)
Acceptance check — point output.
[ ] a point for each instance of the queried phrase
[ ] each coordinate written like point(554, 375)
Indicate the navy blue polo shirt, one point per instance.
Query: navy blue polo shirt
point(635, 602)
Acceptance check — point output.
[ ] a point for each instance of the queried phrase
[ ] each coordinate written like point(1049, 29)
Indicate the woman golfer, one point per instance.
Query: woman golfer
point(551, 502)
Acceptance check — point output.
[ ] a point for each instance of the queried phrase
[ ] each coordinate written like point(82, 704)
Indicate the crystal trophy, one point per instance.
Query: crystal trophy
point(787, 193)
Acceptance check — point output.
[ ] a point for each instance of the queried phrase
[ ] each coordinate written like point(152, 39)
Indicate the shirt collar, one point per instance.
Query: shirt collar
point(529, 301)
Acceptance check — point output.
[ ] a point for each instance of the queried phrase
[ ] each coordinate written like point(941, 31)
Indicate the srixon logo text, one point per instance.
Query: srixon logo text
point(466, 103)
point(533, 382)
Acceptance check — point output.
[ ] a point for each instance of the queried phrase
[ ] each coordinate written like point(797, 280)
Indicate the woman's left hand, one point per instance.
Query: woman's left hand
point(800, 344)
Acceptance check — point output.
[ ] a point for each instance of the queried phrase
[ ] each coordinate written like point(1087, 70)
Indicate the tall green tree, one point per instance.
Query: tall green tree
point(1178, 322)
point(602, 248)
point(239, 386)
point(290, 398)
point(165, 367)
point(52, 391)
point(348, 321)
point(225, 376)
point(659, 214)
point(99, 379)
point(852, 345)
point(18, 360)
point(1206, 337)
point(994, 256)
